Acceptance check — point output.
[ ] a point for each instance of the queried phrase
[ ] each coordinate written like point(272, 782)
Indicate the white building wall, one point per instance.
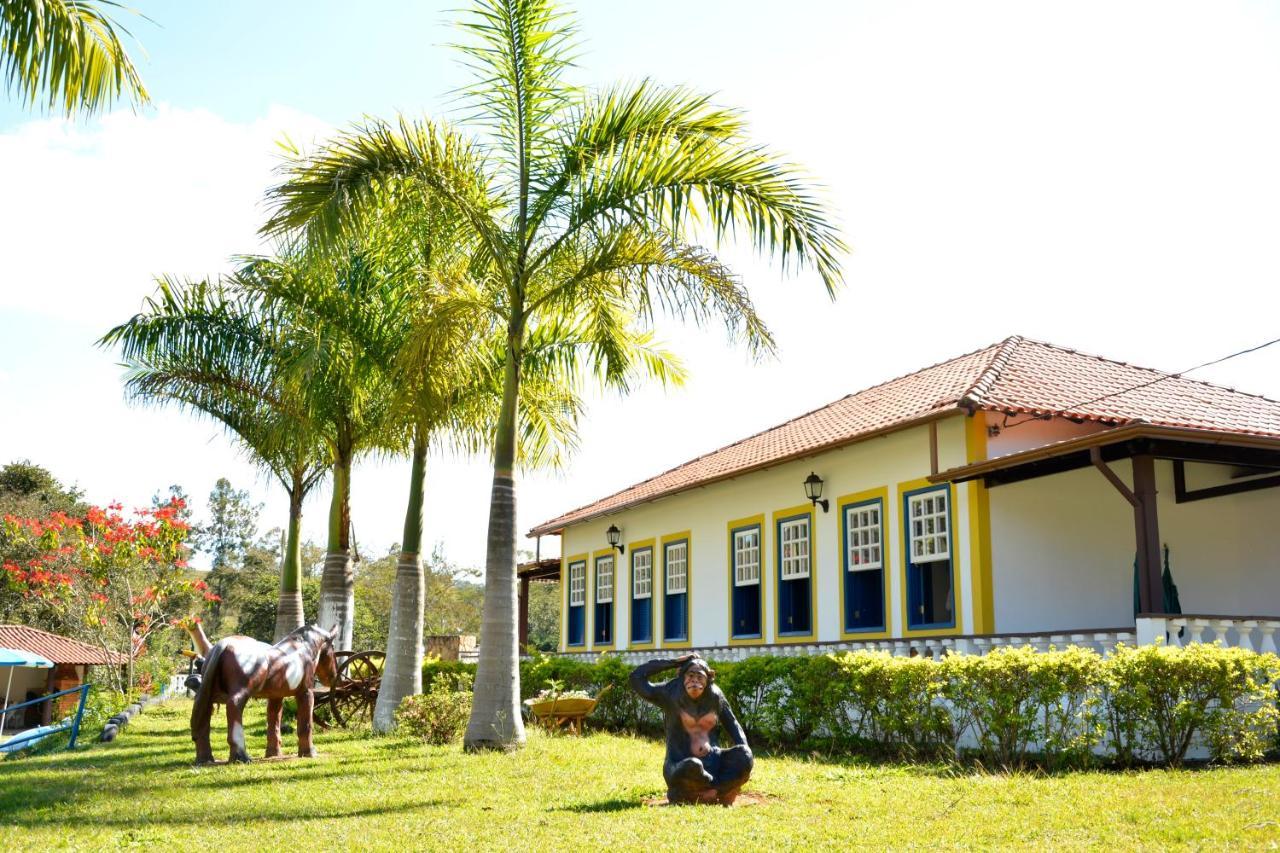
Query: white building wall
point(1063, 551)
point(882, 462)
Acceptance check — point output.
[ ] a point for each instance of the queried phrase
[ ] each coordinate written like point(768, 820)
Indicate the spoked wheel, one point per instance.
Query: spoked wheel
point(356, 690)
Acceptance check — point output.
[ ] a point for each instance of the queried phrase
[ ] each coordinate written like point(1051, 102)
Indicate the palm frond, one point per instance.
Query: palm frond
point(331, 194)
point(66, 54)
point(519, 51)
point(737, 188)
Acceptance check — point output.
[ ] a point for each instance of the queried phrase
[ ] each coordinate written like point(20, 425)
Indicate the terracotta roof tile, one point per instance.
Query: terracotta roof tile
point(56, 648)
point(1016, 376)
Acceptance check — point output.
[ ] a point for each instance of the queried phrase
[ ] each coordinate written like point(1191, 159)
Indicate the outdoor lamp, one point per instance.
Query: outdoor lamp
point(614, 535)
point(813, 491)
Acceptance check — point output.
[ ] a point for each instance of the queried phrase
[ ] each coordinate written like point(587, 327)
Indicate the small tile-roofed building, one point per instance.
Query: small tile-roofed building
point(1022, 489)
point(71, 659)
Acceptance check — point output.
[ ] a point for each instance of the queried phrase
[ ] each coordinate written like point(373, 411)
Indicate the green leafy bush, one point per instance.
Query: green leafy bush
point(1020, 705)
point(1014, 699)
point(1160, 699)
point(434, 668)
point(438, 715)
point(894, 703)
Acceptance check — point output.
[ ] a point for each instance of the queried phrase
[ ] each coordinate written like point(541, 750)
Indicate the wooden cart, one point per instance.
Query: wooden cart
point(355, 691)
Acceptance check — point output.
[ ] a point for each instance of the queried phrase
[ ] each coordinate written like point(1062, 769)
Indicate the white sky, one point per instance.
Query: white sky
point(1100, 175)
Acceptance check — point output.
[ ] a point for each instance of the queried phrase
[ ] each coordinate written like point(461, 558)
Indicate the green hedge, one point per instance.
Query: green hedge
point(1013, 706)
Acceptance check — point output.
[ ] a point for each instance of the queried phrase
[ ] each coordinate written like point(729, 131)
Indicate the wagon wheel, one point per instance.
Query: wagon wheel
point(356, 690)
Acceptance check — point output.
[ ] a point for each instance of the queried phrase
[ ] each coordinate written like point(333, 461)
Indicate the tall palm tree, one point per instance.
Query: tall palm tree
point(209, 350)
point(585, 205)
point(451, 381)
point(67, 54)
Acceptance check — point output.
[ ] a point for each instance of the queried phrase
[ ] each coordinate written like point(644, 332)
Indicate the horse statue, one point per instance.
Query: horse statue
point(236, 669)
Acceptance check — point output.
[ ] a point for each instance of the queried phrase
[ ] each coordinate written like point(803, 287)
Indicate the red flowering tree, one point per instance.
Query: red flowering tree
point(118, 580)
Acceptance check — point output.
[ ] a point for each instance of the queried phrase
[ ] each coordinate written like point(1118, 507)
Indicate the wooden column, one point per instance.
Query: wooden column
point(524, 613)
point(1147, 527)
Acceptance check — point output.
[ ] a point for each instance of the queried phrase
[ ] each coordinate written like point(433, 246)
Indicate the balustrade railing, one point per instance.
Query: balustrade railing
point(1102, 641)
point(1256, 633)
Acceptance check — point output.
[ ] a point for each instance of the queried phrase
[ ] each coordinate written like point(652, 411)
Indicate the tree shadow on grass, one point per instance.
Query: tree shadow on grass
point(613, 804)
point(132, 818)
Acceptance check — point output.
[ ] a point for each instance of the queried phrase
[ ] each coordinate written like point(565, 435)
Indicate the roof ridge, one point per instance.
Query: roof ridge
point(987, 378)
point(1163, 373)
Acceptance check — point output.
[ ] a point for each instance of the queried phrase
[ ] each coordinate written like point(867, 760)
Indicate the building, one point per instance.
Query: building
point(1022, 493)
point(71, 659)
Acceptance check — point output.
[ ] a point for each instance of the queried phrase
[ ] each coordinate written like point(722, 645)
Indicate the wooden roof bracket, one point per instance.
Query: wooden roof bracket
point(1095, 456)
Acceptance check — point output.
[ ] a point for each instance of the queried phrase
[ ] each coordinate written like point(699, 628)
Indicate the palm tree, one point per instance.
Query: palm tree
point(209, 350)
point(331, 305)
point(584, 206)
point(451, 388)
point(67, 54)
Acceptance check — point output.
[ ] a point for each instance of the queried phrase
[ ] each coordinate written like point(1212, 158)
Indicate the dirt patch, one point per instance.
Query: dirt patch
point(746, 798)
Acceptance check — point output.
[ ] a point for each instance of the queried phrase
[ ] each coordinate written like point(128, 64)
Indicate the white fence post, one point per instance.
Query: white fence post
point(1150, 630)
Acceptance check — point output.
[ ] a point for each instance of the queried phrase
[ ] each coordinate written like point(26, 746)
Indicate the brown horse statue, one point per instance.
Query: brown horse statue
point(236, 669)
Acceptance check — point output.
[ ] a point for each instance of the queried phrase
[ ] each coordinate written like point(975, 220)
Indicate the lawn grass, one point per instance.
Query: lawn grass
point(589, 792)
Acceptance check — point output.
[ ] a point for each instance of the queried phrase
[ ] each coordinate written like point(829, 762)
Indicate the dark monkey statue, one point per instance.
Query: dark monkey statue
point(697, 770)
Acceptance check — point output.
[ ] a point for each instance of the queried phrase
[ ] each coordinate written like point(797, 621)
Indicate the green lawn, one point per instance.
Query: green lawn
point(391, 793)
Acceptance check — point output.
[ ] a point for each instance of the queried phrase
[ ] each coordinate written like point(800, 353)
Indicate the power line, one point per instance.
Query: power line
point(1157, 380)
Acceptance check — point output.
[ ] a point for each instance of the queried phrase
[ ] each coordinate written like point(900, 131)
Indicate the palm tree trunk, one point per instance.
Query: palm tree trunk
point(337, 584)
point(289, 615)
point(402, 672)
point(495, 712)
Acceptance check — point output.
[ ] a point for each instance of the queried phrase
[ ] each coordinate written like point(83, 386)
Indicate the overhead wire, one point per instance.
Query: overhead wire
point(1074, 407)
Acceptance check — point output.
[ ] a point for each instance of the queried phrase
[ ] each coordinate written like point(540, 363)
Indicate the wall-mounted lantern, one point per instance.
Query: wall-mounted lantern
point(614, 535)
point(813, 491)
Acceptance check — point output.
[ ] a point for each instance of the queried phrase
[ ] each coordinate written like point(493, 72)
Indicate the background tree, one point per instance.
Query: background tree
point(232, 525)
point(29, 490)
point(586, 208)
point(66, 54)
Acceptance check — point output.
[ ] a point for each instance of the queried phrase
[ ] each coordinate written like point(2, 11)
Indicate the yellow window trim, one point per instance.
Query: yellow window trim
point(881, 494)
point(565, 562)
point(984, 617)
point(686, 643)
point(595, 557)
point(757, 520)
point(654, 602)
point(956, 598)
point(778, 515)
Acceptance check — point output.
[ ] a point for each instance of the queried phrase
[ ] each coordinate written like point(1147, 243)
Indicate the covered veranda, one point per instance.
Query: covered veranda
point(1070, 519)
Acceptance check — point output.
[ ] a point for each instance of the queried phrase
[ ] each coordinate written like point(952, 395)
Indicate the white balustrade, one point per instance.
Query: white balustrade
point(1252, 633)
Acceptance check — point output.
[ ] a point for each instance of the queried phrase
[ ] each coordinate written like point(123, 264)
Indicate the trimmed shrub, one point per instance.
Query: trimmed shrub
point(434, 668)
point(1015, 699)
point(1160, 699)
point(438, 715)
point(893, 703)
point(1148, 704)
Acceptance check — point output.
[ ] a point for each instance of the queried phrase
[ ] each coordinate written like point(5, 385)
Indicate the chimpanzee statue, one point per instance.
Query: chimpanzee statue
point(697, 770)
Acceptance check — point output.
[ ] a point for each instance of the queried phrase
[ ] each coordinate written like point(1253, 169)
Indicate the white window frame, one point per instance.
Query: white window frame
point(864, 537)
point(929, 526)
point(603, 590)
point(746, 556)
point(676, 584)
point(642, 583)
point(795, 548)
point(578, 584)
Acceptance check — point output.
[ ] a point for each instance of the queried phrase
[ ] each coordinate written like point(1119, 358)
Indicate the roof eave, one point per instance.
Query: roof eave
point(1138, 429)
point(557, 527)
